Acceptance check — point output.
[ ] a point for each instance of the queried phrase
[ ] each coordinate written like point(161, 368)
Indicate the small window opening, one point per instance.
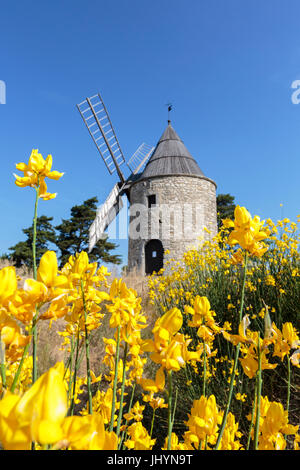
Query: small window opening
point(151, 201)
point(154, 254)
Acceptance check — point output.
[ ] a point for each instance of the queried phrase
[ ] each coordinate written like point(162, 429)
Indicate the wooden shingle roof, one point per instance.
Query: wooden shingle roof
point(171, 157)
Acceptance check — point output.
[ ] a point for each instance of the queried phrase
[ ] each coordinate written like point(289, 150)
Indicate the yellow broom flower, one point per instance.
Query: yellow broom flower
point(35, 172)
point(247, 232)
point(37, 415)
point(87, 433)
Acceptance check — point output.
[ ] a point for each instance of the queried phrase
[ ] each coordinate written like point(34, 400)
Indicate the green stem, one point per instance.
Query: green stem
point(259, 387)
point(152, 423)
point(289, 383)
point(113, 405)
point(34, 327)
point(87, 351)
point(170, 421)
point(252, 419)
point(204, 370)
point(174, 407)
point(2, 364)
point(71, 409)
point(237, 352)
point(34, 232)
point(69, 362)
point(17, 375)
point(122, 390)
point(69, 366)
point(126, 422)
point(34, 345)
point(288, 388)
point(33, 331)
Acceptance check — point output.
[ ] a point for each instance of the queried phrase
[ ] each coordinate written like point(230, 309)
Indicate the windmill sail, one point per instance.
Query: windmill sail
point(97, 120)
point(106, 213)
point(140, 158)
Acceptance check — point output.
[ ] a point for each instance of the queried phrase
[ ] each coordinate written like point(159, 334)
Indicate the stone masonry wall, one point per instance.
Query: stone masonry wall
point(184, 206)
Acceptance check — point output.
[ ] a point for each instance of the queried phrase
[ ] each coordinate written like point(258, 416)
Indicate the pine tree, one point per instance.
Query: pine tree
point(73, 235)
point(21, 253)
point(225, 208)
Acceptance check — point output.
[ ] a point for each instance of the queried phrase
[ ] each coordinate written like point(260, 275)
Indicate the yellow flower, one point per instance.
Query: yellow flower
point(47, 272)
point(203, 420)
point(241, 397)
point(102, 403)
point(237, 257)
point(164, 328)
point(286, 340)
point(24, 302)
point(250, 341)
point(156, 385)
point(231, 434)
point(168, 324)
point(270, 281)
point(296, 442)
point(155, 402)
point(247, 232)
point(136, 412)
point(12, 338)
point(25, 378)
point(200, 311)
point(37, 415)
point(49, 287)
point(247, 336)
point(276, 420)
point(11, 332)
point(175, 444)
point(13, 435)
point(87, 433)
point(8, 284)
point(273, 425)
point(35, 172)
point(249, 361)
point(139, 437)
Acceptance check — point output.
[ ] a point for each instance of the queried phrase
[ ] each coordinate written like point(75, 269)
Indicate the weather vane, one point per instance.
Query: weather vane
point(170, 106)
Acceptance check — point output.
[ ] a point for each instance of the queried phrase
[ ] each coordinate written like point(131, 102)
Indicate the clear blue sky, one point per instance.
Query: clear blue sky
point(227, 67)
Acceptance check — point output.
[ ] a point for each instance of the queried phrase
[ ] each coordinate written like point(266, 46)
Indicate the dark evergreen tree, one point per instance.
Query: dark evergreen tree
point(73, 235)
point(21, 253)
point(225, 208)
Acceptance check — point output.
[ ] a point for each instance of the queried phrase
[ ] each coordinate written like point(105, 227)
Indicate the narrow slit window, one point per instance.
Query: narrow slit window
point(151, 201)
point(154, 254)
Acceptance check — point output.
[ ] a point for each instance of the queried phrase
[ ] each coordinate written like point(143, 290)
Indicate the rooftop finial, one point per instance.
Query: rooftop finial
point(170, 106)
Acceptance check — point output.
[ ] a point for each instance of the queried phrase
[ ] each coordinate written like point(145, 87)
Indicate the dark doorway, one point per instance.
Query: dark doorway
point(154, 256)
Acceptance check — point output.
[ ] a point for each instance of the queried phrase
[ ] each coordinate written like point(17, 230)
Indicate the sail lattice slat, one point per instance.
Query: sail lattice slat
point(140, 157)
point(106, 213)
point(98, 123)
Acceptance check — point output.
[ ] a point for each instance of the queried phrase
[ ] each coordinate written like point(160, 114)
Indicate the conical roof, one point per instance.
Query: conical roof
point(171, 157)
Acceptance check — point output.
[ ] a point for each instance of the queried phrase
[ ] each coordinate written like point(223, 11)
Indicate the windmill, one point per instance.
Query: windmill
point(96, 118)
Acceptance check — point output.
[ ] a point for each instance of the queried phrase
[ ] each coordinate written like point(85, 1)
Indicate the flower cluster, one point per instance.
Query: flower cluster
point(202, 347)
point(35, 172)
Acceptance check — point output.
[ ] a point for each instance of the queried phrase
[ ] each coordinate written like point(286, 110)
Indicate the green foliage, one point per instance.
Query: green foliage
point(225, 208)
point(73, 235)
point(21, 253)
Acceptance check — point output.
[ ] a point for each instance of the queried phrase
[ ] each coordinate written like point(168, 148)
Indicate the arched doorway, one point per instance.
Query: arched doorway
point(154, 256)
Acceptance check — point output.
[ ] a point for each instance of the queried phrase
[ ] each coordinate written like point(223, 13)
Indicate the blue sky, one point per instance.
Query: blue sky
point(227, 67)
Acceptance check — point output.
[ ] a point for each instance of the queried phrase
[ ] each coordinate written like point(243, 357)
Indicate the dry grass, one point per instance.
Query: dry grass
point(22, 272)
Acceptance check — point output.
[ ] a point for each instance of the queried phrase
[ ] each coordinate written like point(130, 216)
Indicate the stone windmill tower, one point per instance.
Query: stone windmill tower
point(170, 200)
point(178, 201)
